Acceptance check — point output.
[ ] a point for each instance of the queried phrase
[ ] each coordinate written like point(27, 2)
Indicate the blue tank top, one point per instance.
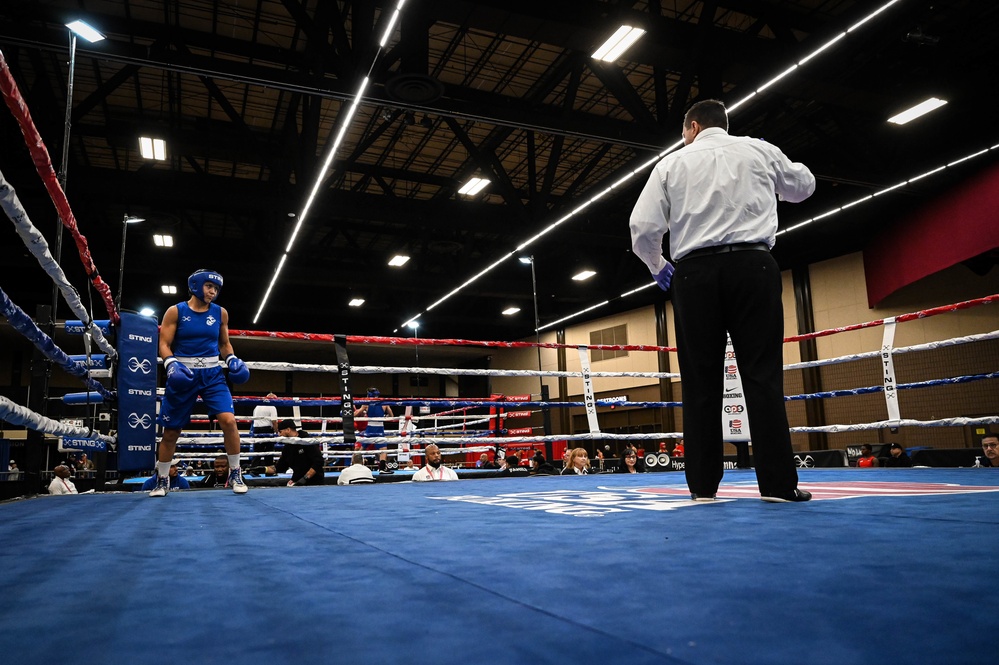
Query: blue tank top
point(197, 332)
point(376, 428)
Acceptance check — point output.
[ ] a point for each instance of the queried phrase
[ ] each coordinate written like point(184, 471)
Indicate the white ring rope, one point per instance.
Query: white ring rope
point(928, 346)
point(15, 414)
point(884, 424)
point(39, 248)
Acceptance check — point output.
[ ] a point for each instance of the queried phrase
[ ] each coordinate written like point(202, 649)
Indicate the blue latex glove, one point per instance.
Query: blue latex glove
point(665, 276)
point(178, 375)
point(238, 371)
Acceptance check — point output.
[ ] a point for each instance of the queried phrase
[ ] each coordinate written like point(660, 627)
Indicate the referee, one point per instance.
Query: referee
point(717, 198)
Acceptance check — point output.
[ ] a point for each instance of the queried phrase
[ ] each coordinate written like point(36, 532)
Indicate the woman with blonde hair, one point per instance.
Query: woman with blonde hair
point(578, 463)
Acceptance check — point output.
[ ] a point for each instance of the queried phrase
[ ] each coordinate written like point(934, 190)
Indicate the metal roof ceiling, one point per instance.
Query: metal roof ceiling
point(249, 95)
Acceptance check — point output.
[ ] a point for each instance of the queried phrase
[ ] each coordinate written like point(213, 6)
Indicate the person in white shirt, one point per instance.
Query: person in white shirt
point(265, 418)
point(434, 470)
point(61, 484)
point(717, 199)
point(356, 473)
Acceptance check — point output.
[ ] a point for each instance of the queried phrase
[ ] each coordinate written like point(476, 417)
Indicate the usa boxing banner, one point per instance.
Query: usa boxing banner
point(138, 340)
point(735, 417)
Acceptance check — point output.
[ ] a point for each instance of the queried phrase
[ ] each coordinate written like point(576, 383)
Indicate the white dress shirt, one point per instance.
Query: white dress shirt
point(430, 473)
point(264, 415)
point(719, 190)
point(62, 486)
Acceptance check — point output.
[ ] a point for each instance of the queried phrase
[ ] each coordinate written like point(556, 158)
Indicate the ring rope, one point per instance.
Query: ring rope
point(905, 422)
point(15, 414)
point(26, 326)
point(43, 166)
point(928, 346)
point(39, 248)
point(445, 371)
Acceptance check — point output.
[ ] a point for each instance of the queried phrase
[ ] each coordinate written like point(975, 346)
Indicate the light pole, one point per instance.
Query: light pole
point(92, 35)
point(415, 325)
point(121, 269)
point(537, 321)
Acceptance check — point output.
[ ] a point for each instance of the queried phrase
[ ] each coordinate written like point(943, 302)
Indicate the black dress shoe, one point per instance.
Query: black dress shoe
point(794, 496)
point(702, 497)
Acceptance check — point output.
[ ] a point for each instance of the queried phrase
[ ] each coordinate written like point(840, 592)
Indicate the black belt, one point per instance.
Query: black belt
point(723, 249)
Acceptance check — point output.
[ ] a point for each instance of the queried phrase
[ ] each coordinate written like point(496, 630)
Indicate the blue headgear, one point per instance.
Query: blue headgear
point(196, 282)
point(373, 392)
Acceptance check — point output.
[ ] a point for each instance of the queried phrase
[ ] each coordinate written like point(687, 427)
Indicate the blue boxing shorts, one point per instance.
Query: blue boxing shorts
point(374, 431)
point(176, 407)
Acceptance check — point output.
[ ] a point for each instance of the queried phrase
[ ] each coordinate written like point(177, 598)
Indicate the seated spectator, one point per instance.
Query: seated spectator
point(435, 469)
point(897, 457)
point(357, 472)
point(220, 476)
point(13, 473)
point(630, 462)
point(678, 449)
point(61, 484)
point(304, 459)
point(867, 459)
point(578, 463)
point(177, 481)
point(483, 461)
point(990, 446)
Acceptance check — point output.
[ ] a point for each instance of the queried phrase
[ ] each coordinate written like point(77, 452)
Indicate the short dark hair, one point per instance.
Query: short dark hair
point(287, 423)
point(708, 113)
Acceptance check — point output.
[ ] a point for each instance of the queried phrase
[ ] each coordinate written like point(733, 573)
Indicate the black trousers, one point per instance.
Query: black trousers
point(738, 292)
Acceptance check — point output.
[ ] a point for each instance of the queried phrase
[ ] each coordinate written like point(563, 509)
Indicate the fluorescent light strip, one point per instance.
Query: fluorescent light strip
point(870, 16)
point(919, 110)
point(320, 177)
point(777, 78)
point(572, 316)
point(634, 291)
point(530, 241)
point(270, 287)
point(619, 42)
point(388, 30)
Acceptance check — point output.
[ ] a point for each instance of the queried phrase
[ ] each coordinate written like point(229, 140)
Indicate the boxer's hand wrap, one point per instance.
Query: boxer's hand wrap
point(178, 375)
point(665, 276)
point(238, 371)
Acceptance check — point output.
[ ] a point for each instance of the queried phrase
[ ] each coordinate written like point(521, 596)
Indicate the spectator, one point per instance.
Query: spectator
point(357, 472)
point(578, 463)
point(13, 473)
point(509, 464)
point(483, 461)
point(61, 484)
point(264, 419)
point(85, 464)
point(304, 459)
point(897, 457)
point(867, 459)
point(220, 475)
point(177, 481)
point(630, 462)
point(434, 470)
point(678, 449)
point(990, 446)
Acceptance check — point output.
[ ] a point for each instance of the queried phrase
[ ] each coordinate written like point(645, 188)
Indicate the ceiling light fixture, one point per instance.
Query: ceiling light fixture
point(473, 186)
point(86, 31)
point(162, 240)
point(152, 148)
point(584, 275)
point(510, 311)
point(922, 108)
point(398, 260)
point(356, 302)
point(612, 49)
point(169, 289)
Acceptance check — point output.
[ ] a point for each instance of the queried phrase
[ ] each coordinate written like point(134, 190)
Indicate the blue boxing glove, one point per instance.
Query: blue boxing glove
point(664, 276)
point(178, 375)
point(238, 371)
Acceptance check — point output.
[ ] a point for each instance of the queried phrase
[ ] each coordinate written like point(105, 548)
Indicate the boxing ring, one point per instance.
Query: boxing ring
point(883, 565)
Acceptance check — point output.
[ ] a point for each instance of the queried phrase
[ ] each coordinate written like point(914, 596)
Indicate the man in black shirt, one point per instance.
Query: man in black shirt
point(304, 459)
